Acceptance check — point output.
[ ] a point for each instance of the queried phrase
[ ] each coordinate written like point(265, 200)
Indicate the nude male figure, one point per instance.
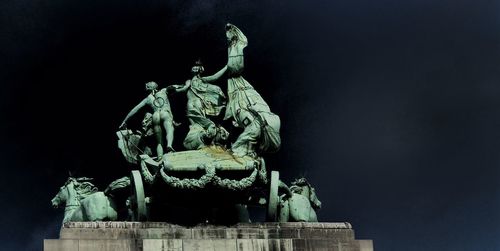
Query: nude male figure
point(162, 115)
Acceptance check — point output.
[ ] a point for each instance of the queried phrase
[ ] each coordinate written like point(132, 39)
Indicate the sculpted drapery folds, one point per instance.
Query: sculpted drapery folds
point(187, 179)
point(204, 100)
point(245, 105)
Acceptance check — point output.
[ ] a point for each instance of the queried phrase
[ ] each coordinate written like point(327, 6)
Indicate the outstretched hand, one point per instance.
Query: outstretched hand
point(172, 87)
point(123, 126)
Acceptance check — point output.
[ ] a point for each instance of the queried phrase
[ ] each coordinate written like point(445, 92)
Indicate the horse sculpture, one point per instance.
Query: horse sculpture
point(83, 202)
point(298, 202)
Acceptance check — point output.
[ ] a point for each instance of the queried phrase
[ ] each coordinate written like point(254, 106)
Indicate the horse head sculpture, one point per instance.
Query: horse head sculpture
point(82, 201)
point(302, 186)
point(72, 189)
point(299, 202)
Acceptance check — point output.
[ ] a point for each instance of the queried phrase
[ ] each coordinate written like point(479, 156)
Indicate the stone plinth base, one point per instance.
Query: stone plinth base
point(160, 236)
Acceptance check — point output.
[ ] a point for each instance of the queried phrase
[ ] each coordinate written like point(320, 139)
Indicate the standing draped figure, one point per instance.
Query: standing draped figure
point(245, 105)
point(204, 100)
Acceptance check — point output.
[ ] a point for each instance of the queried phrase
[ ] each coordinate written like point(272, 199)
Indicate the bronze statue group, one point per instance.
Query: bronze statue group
point(207, 149)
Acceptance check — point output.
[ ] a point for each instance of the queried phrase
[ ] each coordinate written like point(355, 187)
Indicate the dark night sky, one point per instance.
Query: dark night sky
point(390, 108)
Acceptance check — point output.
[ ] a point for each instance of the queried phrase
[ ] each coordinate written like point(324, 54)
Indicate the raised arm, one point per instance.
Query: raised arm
point(183, 88)
point(134, 111)
point(215, 76)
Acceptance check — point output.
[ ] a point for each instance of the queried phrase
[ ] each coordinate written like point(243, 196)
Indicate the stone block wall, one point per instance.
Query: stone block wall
point(160, 236)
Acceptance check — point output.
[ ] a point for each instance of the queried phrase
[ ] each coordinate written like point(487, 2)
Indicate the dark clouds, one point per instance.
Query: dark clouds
point(390, 108)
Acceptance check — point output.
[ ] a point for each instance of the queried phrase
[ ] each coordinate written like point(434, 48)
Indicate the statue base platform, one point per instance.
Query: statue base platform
point(161, 236)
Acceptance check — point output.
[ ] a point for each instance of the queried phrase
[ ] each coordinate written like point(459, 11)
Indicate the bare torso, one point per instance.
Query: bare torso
point(159, 101)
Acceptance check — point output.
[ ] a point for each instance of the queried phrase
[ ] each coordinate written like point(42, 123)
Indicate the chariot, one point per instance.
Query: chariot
point(208, 180)
point(201, 179)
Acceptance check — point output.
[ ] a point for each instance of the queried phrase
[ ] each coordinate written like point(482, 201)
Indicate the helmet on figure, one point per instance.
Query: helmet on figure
point(151, 86)
point(198, 67)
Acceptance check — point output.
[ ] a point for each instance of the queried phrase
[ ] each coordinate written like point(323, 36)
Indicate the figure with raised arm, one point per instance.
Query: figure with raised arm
point(245, 106)
point(204, 100)
point(162, 115)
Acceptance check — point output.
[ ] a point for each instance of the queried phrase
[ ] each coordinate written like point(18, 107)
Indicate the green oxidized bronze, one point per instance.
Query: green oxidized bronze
point(83, 202)
point(245, 106)
point(298, 202)
point(162, 116)
point(209, 176)
point(204, 100)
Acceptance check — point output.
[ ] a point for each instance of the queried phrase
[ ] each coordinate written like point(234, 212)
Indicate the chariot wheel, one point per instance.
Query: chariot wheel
point(272, 204)
point(137, 198)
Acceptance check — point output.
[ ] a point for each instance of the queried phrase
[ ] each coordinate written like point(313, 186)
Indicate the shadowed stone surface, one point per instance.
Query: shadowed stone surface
point(149, 236)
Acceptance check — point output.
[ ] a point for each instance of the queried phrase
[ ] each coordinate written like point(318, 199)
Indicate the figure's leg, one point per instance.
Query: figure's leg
point(196, 115)
point(158, 134)
point(246, 141)
point(194, 139)
point(169, 129)
point(284, 209)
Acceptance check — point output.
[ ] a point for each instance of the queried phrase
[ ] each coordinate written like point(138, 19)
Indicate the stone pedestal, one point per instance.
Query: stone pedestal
point(160, 236)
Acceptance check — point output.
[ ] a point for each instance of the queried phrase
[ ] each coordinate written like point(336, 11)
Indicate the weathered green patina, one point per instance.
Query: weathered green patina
point(298, 203)
point(204, 100)
point(246, 107)
point(162, 116)
point(83, 202)
point(209, 176)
